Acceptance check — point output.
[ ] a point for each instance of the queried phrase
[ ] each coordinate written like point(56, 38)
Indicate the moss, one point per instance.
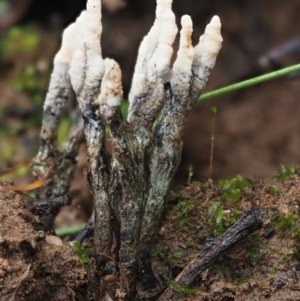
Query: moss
point(155, 250)
point(285, 172)
point(221, 219)
point(228, 273)
point(82, 252)
point(255, 248)
point(180, 288)
point(274, 190)
point(186, 205)
point(288, 223)
point(19, 40)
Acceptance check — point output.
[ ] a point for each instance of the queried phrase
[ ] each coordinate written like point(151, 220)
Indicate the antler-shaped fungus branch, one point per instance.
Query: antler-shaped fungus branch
point(58, 93)
point(129, 185)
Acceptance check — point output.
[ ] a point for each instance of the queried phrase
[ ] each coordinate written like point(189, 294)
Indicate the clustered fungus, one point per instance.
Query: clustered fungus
point(129, 182)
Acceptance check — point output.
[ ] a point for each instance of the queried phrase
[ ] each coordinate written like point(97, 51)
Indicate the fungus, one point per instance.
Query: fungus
point(130, 182)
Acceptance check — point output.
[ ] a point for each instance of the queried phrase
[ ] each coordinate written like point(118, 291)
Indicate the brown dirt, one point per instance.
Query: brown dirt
point(263, 266)
point(30, 268)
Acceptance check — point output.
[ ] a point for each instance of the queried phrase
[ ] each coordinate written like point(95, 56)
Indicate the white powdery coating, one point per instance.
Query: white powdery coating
point(91, 44)
point(141, 56)
point(155, 39)
point(182, 67)
point(59, 78)
point(139, 82)
point(154, 33)
point(208, 48)
point(77, 71)
point(93, 25)
point(111, 87)
point(139, 87)
point(159, 64)
point(70, 40)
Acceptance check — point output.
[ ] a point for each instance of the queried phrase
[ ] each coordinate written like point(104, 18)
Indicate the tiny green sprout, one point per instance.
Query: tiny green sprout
point(175, 194)
point(187, 206)
point(233, 187)
point(273, 271)
point(214, 109)
point(221, 221)
point(285, 172)
point(191, 173)
point(155, 250)
point(255, 246)
point(174, 255)
point(288, 223)
point(284, 222)
point(180, 288)
point(213, 126)
point(274, 190)
point(237, 182)
point(296, 253)
point(284, 256)
point(82, 252)
point(227, 272)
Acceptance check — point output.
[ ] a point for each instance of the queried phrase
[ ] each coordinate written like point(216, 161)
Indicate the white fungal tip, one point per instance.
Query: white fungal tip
point(210, 44)
point(111, 87)
point(213, 39)
point(206, 52)
point(161, 7)
point(216, 22)
point(70, 41)
point(186, 22)
point(141, 55)
point(93, 26)
point(169, 29)
point(185, 55)
point(77, 71)
point(159, 64)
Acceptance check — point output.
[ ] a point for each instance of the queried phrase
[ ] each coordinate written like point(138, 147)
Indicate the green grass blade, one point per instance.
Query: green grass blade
point(249, 82)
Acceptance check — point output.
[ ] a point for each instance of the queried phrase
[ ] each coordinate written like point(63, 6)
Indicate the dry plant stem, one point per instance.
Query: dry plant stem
point(214, 247)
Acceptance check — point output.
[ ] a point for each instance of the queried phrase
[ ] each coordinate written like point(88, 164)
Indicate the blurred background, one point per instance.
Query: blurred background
point(256, 129)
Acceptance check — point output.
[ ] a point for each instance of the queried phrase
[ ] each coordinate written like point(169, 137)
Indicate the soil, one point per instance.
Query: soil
point(33, 266)
point(263, 266)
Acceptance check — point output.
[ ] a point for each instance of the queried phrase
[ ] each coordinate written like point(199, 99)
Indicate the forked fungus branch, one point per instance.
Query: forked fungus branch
point(130, 182)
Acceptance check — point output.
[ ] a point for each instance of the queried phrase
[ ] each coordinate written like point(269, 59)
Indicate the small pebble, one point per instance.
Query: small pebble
point(54, 240)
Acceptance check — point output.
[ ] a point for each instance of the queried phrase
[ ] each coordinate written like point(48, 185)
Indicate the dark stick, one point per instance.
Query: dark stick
point(214, 247)
point(85, 233)
point(47, 207)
